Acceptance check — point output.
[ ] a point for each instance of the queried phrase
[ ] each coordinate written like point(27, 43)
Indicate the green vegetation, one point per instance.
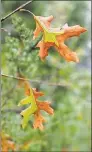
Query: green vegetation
point(70, 126)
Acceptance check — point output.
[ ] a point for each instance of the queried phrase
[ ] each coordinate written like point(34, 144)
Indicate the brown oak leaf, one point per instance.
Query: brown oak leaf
point(45, 106)
point(56, 37)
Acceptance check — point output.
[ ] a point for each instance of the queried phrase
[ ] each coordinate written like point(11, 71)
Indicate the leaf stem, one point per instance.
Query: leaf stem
point(25, 10)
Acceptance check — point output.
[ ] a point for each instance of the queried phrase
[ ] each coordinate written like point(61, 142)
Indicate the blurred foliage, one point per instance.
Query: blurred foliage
point(70, 127)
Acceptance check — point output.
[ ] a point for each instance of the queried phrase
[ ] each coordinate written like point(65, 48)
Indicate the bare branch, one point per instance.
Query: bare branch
point(16, 10)
point(38, 81)
point(16, 110)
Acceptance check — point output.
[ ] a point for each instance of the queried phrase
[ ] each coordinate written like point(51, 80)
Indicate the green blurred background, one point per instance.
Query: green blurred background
point(70, 127)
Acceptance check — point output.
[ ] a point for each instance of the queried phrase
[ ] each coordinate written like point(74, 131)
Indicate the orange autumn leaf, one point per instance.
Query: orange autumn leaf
point(62, 48)
point(7, 144)
point(39, 119)
point(56, 37)
point(45, 106)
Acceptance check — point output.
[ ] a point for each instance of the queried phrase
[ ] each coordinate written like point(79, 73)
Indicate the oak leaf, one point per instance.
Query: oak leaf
point(35, 108)
point(56, 37)
point(35, 105)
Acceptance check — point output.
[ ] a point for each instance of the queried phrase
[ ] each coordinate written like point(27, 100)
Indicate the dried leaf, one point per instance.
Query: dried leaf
point(56, 37)
point(35, 106)
point(45, 106)
point(7, 144)
point(39, 119)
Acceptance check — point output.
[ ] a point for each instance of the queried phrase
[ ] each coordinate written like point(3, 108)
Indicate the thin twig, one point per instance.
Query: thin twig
point(37, 81)
point(16, 10)
point(16, 110)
